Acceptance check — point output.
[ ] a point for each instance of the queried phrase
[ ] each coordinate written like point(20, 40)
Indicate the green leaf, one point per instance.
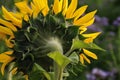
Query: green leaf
point(46, 74)
point(59, 58)
point(74, 57)
point(77, 44)
point(94, 46)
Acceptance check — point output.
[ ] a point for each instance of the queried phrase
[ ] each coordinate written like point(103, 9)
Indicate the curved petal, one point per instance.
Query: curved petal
point(8, 42)
point(72, 7)
point(2, 36)
point(39, 5)
point(88, 23)
point(6, 30)
point(46, 8)
point(3, 57)
point(56, 6)
point(84, 57)
point(14, 70)
point(17, 15)
point(23, 7)
point(81, 58)
point(90, 54)
point(26, 77)
point(65, 6)
point(35, 10)
point(8, 24)
point(5, 63)
point(79, 12)
point(91, 35)
point(88, 40)
point(82, 30)
point(10, 17)
point(85, 18)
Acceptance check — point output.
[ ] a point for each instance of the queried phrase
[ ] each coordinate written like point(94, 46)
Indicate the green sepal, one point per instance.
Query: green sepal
point(38, 68)
point(38, 72)
point(74, 58)
point(59, 58)
point(78, 44)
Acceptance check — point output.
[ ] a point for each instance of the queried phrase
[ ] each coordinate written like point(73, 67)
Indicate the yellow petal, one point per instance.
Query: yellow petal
point(10, 17)
point(90, 54)
point(14, 71)
point(26, 77)
point(17, 15)
point(85, 18)
point(56, 6)
point(46, 8)
point(23, 7)
point(26, 18)
point(2, 36)
point(82, 30)
point(6, 30)
point(91, 35)
point(81, 59)
point(3, 57)
point(8, 24)
point(65, 6)
point(88, 40)
point(84, 57)
point(88, 23)
point(71, 9)
point(5, 63)
point(37, 6)
point(8, 52)
point(8, 42)
point(35, 10)
point(32, 6)
point(79, 12)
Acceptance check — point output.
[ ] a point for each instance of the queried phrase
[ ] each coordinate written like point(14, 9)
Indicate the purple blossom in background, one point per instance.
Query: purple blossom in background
point(99, 23)
point(97, 73)
point(90, 77)
point(95, 28)
point(111, 33)
point(117, 22)
point(100, 73)
point(101, 20)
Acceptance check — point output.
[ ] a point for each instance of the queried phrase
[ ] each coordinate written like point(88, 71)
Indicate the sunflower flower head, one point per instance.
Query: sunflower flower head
point(35, 29)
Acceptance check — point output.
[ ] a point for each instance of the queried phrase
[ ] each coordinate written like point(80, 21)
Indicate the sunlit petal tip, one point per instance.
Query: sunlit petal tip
point(5, 63)
point(72, 7)
point(90, 54)
point(84, 57)
point(14, 71)
point(85, 6)
point(8, 16)
point(81, 59)
point(26, 77)
point(9, 52)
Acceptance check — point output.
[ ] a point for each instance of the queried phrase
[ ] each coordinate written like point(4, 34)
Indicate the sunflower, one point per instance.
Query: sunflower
point(34, 29)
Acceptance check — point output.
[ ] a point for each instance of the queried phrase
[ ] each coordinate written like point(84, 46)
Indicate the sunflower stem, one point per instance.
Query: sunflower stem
point(69, 52)
point(58, 72)
point(9, 75)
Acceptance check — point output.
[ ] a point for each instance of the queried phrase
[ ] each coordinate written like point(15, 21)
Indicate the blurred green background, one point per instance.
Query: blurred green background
point(107, 67)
